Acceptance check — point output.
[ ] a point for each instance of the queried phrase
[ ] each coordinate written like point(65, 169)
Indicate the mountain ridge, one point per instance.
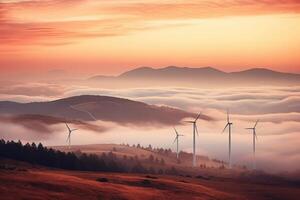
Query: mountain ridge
point(208, 68)
point(168, 76)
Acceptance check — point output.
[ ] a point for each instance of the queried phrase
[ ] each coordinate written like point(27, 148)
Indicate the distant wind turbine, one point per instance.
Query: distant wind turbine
point(229, 124)
point(85, 111)
point(69, 134)
point(195, 130)
point(177, 141)
point(254, 139)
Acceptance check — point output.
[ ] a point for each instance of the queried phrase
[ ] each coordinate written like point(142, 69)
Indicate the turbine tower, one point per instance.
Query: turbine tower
point(177, 141)
point(254, 139)
point(69, 134)
point(195, 130)
point(229, 124)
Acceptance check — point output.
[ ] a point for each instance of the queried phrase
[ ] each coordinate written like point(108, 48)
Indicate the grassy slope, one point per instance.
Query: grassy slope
point(42, 183)
point(37, 182)
point(48, 184)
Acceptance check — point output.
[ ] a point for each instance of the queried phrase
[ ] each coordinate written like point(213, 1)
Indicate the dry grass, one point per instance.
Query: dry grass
point(32, 182)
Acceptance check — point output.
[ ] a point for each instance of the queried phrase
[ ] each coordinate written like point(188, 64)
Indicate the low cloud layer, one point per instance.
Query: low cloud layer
point(278, 109)
point(45, 126)
point(245, 101)
point(274, 105)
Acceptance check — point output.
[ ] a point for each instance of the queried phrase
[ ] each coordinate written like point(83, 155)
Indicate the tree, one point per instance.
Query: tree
point(151, 158)
point(152, 170)
point(162, 161)
point(160, 171)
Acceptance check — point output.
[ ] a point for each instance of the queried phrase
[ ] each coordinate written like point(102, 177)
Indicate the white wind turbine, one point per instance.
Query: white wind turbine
point(177, 141)
point(254, 139)
point(229, 124)
point(69, 134)
point(195, 130)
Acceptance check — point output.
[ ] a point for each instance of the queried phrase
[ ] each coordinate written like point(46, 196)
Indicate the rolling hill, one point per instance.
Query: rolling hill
point(91, 108)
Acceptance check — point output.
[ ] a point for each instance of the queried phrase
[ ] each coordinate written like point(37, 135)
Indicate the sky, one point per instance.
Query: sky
point(61, 38)
point(112, 36)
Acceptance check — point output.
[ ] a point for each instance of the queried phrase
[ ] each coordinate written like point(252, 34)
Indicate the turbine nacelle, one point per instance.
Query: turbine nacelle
point(254, 129)
point(177, 135)
point(194, 122)
point(229, 124)
point(177, 140)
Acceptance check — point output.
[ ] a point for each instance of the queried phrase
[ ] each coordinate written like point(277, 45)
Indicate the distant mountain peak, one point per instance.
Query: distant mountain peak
point(171, 67)
point(259, 69)
point(203, 76)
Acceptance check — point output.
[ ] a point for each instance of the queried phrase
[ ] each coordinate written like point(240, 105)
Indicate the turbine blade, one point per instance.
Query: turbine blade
point(198, 117)
point(196, 130)
point(225, 127)
point(227, 115)
point(256, 123)
point(68, 138)
point(74, 129)
point(175, 131)
point(189, 121)
point(176, 138)
point(68, 126)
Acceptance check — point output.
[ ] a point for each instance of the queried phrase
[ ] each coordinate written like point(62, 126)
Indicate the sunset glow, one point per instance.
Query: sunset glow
point(113, 36)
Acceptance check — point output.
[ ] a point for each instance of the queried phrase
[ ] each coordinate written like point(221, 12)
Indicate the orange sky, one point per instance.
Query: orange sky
point(111, 36)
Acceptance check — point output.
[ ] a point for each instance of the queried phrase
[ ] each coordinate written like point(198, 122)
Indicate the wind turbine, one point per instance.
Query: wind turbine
point(194, 137)
point(177, 141)
point(229, 124)
point(69, 135)
point(254, 139)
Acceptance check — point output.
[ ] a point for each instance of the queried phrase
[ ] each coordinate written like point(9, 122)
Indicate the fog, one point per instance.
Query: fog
point(278, 108)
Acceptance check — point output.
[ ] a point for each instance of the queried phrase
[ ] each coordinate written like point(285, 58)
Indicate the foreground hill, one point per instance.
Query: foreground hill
point(23, 181)
point(198, 77)
point(91, 108)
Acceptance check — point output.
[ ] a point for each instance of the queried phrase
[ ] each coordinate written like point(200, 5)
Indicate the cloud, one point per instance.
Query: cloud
point(33, 22)
point(259, 101)
point(246, 101)
point(277, 108)
point(44, 124)
point(205, 9)
point(30, 92)
point(33, 89)
point(279, 152)
point(24, 98)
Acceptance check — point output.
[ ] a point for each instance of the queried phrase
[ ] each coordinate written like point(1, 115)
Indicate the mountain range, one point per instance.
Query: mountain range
point(197, 77)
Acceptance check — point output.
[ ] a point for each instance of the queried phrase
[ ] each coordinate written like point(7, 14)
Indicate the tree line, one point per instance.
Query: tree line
point(106, 162)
